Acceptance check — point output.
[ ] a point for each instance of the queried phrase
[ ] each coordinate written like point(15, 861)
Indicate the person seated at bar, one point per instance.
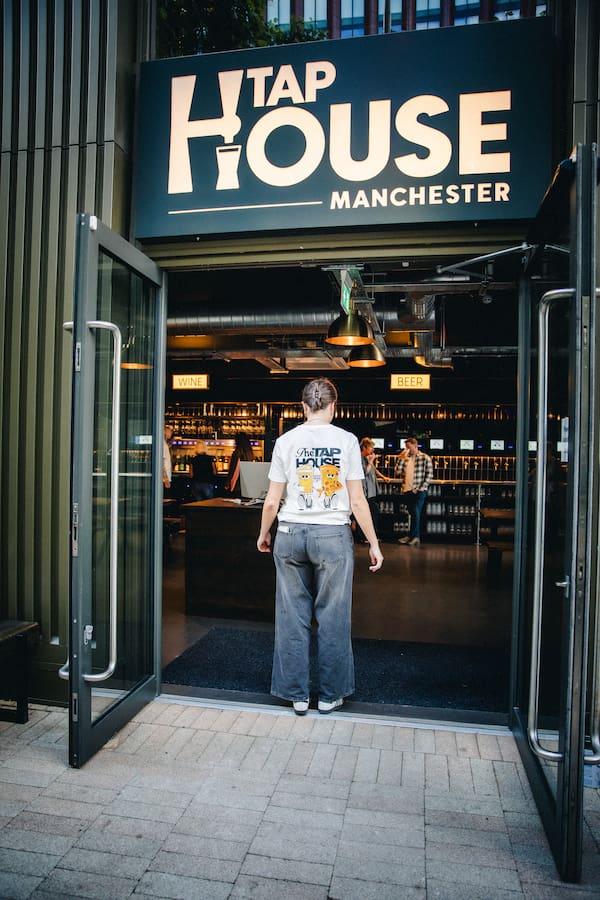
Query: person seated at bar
point(243, 450)
point(203, 474)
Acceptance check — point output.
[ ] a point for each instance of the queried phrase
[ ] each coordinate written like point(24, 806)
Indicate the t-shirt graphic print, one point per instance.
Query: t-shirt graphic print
point(315, 461)
point(318, 477)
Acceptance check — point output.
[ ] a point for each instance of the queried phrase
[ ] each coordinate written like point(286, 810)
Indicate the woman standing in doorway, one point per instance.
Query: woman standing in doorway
point(318, 467)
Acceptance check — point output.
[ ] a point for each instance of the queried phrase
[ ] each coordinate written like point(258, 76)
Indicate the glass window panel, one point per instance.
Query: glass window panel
point(279, 11)
point(127, 300)
point(428, 14)
point(395, 12)
point(316, 11)
point(353, 18)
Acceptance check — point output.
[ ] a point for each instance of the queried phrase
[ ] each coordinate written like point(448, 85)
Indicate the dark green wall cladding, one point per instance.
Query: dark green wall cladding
point(68, 72)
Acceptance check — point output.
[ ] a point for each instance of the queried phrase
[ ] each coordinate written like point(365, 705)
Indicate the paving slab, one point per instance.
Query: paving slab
point(196, 800)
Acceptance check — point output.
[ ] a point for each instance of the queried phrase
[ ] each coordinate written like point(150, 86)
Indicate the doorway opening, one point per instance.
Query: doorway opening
point(432, 630)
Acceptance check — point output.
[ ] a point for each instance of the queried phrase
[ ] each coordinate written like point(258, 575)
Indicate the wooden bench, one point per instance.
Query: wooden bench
point(14, 668)
point(495, 550)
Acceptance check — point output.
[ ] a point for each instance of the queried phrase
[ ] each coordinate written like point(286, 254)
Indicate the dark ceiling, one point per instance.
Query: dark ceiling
point(261, 331)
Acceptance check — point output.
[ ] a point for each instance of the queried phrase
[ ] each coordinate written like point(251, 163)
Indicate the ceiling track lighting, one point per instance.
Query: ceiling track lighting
point(367, 356)
point(350, 330)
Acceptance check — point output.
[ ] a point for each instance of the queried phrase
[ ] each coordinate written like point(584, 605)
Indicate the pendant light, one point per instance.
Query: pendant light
point(350, 330)
point(136, 353)
point(367, 356)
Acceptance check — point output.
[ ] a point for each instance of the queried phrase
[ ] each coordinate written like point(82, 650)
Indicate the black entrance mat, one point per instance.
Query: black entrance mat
point(387, 672)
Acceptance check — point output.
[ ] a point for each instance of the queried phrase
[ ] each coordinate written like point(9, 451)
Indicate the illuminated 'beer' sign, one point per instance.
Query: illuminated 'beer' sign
point(413, 382)
point(442, 125)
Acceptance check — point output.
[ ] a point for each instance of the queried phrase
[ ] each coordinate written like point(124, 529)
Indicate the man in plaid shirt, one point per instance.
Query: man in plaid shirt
point(415, 469)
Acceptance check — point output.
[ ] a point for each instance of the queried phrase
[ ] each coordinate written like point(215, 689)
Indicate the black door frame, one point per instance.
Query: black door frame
point(88, 735)
point(573, 193)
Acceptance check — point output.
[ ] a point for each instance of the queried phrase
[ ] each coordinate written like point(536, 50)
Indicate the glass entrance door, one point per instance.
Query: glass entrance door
point(116, 487)
point(553, 715)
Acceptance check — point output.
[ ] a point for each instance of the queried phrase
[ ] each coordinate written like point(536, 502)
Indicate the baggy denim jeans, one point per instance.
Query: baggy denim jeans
point(314, 566)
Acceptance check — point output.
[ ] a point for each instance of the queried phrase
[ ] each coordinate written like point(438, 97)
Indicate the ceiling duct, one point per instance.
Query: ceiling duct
point(279, 322)
point(421, 307)
point(318, 360)
point(427, 355)
point(321, 361)
point(235, 322)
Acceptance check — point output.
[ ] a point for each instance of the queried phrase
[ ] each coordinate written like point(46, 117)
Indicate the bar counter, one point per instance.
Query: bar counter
point(225, 575)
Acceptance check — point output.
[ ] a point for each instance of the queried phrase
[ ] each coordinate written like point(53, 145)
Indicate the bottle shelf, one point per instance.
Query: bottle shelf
point(461, 467)
point(452, 510)
point(183, 451)
point(392, 420)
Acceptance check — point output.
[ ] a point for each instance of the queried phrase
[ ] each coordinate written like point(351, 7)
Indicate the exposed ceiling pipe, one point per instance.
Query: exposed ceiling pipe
point(482, 351)
point(523, 248)
point(427, 355)
point(280, 322)
point(421, 307)
point(274, 322)
point(269, 352)
point(438, 286)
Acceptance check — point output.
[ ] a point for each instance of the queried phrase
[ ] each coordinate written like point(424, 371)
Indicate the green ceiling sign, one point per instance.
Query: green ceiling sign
point(446, 125)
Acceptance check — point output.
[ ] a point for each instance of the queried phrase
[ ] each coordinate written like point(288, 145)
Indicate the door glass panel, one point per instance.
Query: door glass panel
point(554, 537)
point(127, 300)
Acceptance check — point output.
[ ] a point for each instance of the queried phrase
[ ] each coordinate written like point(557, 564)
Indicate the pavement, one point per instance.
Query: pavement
point(194, 799)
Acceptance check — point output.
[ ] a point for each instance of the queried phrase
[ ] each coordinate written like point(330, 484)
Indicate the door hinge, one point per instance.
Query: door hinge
point(88, 632)
point(75, 530)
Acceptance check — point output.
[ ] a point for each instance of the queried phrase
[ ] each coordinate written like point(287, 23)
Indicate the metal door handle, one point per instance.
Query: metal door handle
point(63, 672)
point(540, 522)
point(114, 499)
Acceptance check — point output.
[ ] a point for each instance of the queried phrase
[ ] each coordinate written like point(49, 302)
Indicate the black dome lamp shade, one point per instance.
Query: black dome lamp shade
point(350, 330)
point(366, 356)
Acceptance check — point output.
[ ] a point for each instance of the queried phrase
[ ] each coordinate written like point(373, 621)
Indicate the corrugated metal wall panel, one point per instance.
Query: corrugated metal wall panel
point(29, 472)
point(64, 64)
point(58, 86)
point(39, 53)
point(6, 83)
point(48, 370)
point(20, 95)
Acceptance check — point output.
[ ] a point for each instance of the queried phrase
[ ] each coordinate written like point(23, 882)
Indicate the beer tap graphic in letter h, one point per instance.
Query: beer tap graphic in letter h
point(182, 128)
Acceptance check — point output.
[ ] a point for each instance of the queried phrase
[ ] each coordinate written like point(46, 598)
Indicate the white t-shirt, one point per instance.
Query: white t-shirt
point(315, 461)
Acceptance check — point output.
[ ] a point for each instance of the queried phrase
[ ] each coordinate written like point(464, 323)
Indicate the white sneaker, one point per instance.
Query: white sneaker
point(327, 706)
point(300, 707)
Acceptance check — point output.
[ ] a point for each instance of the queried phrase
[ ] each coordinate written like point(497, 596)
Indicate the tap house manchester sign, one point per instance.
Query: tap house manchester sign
point(446, 125)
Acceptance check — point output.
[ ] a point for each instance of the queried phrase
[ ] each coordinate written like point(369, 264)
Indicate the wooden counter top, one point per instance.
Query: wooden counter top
point(221, 503)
